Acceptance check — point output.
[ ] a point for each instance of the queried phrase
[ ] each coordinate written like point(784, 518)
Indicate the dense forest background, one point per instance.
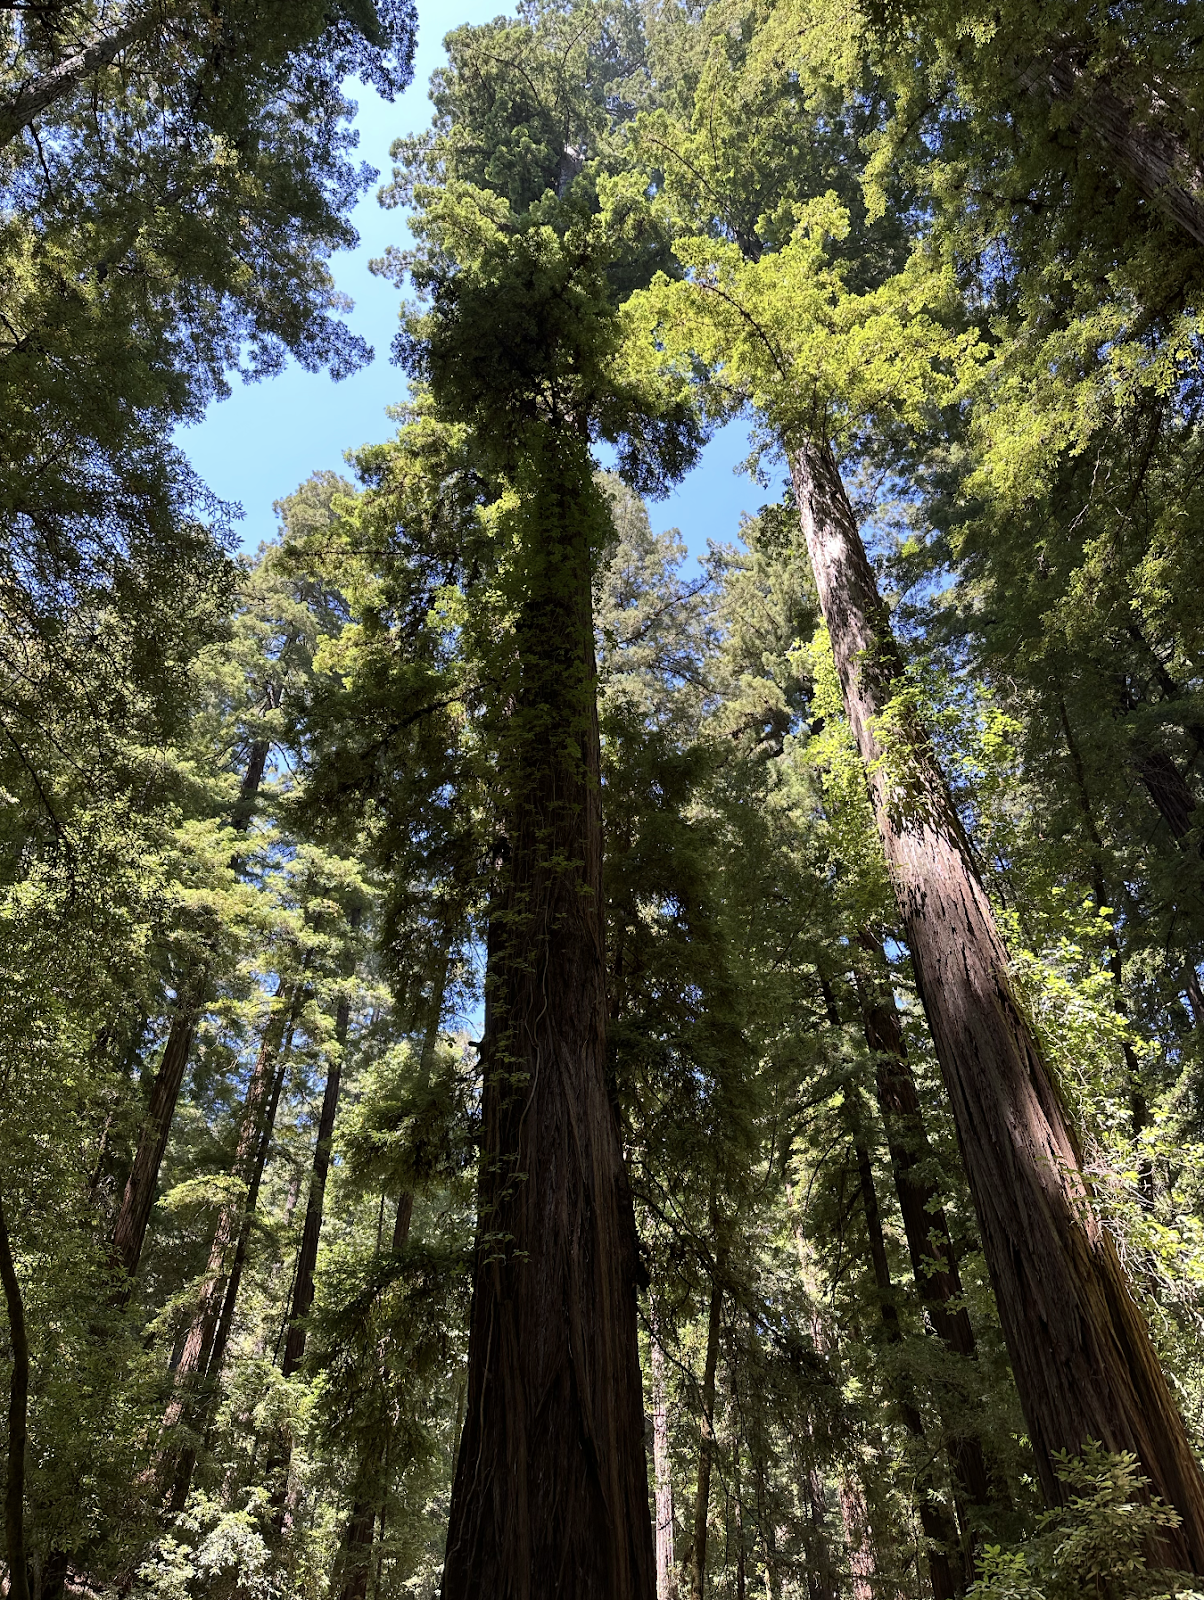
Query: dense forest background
point(531, 1067)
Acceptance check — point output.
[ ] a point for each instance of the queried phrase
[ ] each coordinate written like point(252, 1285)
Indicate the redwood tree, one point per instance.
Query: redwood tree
point(551, 1491)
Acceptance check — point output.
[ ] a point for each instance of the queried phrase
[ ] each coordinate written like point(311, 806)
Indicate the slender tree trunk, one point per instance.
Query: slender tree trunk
point(551, 1484)
point(1081, 1353)
point(19, 108)
point(696, 1559)
point(933, 1263)
point(307, 1255)
point(133, 1217)
point(18, 1418)
point(821, 1569)
point(204, 1344)
point(666, 1569)
point(944, 1554)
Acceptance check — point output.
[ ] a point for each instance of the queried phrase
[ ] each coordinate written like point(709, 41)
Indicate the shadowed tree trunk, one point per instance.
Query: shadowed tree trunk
point(307, 1255)
point(696, 1557)
point(205, 1343)
point(18, 1421)
point(354, 1561)
point(129, 1232)
point(944, 1552)
point(666, 1568)
point(551, 1484)
point(1152, 157)
point(1081, 1353)
point(933, 1263)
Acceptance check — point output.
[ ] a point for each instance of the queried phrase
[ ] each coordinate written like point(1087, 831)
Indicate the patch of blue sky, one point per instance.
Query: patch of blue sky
point(256, 446)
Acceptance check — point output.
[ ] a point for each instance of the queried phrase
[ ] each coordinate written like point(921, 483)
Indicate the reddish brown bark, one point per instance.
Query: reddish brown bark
point(1084, 1365)
point(858, 1542)
point(551, 1485)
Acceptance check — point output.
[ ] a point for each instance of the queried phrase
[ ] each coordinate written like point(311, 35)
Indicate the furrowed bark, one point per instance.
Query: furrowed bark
point(666, 1569)
point(855, 1517)
point(18, 1422)
point(696, 1559)
point(1082, 1357)
point(551, 1484)
point(204, 1344)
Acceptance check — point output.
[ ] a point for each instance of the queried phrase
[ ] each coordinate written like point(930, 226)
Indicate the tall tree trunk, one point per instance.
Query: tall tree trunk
point(696, 1558)
point(551, 1484)
point(18, 1419)
point(933, 1263)
point(945, 1567)
point(666, 1568)
point(1081, 1353)
point(204, 1344)
point(307, 1255)
point(855, 1516)
point(133, 1217)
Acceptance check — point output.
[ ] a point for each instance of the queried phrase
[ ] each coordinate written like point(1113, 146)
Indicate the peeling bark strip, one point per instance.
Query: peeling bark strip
point(551, 1485)
point(1084, 1365)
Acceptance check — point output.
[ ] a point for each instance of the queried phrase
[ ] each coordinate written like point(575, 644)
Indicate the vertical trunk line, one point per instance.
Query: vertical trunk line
point(18, 1421)
point(696, 1561)
point(666, 1571)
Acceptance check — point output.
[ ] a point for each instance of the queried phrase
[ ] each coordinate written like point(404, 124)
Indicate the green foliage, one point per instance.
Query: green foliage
point(1095, 1543)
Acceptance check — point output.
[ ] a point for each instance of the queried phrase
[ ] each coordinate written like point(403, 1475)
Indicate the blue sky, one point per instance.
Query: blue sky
point(267, 437)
